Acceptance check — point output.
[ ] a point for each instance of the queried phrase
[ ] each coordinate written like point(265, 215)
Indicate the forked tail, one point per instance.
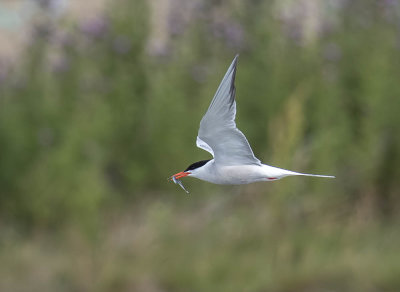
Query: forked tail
point(315, 175)
point(273, 173)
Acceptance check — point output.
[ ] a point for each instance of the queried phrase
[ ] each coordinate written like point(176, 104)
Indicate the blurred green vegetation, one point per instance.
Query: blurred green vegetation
point(93, 120)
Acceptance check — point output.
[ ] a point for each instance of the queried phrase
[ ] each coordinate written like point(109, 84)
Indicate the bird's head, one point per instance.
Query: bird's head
point(191, 170)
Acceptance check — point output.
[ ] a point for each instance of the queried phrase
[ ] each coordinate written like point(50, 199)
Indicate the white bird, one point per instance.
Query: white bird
point(234, 162)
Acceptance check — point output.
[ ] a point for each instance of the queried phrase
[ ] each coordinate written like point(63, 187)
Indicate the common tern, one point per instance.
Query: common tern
point(234, 162)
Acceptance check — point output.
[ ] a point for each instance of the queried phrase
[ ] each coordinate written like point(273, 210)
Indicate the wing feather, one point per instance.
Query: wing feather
point(218, 133)
point(203, 145)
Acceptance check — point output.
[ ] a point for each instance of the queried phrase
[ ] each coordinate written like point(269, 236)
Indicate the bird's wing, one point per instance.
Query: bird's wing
point(218, 133)
point(203, 145)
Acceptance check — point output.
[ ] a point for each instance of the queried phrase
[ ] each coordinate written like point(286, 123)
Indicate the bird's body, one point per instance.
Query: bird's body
point(234, 162)
point(241, 174)
point(233, 174)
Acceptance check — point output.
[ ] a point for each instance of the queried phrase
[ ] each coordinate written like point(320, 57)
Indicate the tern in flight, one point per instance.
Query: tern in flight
point(234, 162)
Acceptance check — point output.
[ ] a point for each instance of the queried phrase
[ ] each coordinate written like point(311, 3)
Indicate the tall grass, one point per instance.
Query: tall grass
point(98, 114)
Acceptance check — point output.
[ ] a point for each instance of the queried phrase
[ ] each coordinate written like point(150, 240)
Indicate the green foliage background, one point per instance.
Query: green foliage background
point(92, 122)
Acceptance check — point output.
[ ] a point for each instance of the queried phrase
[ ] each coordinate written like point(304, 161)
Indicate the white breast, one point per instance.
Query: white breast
point(229, 175)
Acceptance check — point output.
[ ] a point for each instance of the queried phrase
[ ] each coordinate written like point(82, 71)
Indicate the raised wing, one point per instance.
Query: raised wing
point(218, 133)
point(203, 145)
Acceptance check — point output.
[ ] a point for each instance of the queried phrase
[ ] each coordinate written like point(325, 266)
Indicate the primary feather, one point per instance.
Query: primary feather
point(218, 133)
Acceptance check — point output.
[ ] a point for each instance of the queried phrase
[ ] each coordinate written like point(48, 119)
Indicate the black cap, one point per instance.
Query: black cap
point(197, 164)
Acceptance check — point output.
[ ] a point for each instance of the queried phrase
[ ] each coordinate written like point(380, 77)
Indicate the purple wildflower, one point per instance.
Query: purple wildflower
point(231, 32)
point(95, 27)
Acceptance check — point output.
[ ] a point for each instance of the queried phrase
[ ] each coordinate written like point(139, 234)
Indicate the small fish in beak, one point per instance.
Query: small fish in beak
point(177, 181)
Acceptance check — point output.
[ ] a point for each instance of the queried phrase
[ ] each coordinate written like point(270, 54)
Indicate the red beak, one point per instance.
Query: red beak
point(180, 175)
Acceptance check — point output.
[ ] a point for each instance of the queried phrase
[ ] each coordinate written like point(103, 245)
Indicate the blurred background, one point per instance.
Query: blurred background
point(100, 102)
